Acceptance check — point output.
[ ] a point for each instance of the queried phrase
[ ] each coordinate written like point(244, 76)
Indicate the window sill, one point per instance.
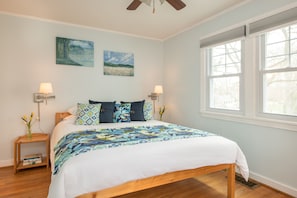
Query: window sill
point(253, 120)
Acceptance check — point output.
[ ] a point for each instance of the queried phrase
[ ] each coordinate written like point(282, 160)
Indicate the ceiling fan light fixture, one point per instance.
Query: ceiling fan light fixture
point(177, 4)
point(147, 2)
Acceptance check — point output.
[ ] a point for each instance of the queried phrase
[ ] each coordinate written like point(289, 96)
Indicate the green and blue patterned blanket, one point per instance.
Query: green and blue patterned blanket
point(80, 142)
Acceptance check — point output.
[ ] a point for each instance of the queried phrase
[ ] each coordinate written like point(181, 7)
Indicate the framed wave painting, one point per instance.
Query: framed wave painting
point(74, 52)
point(118, 63)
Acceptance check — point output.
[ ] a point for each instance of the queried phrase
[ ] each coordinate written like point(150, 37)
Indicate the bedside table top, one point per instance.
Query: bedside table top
point(36, 137)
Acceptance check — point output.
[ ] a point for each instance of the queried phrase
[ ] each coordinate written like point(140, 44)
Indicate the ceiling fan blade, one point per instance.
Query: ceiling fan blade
point(134, 5)
point(177, 4)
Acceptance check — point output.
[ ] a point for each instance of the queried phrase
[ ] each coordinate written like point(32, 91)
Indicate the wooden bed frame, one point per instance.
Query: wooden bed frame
point(166, 178)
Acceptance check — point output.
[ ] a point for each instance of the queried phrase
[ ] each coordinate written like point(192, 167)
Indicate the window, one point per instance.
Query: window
point(224, 75)
point(278, 71)
point(252, 79)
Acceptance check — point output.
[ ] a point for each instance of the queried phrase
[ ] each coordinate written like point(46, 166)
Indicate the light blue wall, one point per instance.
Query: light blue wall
point(271, 153)
point(27, 57)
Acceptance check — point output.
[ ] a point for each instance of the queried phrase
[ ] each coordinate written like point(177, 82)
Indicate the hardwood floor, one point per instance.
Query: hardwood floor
point(29, 183)
point(34, 183)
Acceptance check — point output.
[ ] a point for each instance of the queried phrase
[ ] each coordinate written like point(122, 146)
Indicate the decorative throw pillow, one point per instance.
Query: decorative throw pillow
point(136, 112)
point(148, 110)
point(106, 112)
point(87, 114)
point(122, 113)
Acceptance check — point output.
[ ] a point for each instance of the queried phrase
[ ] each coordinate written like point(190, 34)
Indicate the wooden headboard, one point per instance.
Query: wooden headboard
point(60, 116)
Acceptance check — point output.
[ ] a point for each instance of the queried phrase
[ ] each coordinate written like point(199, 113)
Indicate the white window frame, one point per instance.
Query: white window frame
point(260, 57)
point(209, 77)
point(251, 99)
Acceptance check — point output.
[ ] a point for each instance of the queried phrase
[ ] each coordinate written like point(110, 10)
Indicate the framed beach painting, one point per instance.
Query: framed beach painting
point(118, 63)
point(74, 52)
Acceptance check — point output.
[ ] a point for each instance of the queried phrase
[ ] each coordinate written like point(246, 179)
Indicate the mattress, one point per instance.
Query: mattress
point(104, 168)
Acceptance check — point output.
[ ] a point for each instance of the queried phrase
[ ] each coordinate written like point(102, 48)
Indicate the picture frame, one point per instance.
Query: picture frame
point(118, 63)
point(74, 52)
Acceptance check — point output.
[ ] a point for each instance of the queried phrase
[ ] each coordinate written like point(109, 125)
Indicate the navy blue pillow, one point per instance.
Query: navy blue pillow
point(136, 112)
point(106, 112)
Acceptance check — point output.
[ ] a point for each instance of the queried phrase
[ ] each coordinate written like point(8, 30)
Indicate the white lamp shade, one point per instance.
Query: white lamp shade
point(46, 88)
point(158, 89)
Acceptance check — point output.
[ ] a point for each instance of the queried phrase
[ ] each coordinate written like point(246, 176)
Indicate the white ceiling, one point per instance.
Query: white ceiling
point(112, 15)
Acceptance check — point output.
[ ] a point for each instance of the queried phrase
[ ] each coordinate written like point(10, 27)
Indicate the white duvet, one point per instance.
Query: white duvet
point(104, 168)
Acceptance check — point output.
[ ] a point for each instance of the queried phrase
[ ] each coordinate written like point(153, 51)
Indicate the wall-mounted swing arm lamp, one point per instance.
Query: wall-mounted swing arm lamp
point(155, 95)
point(45, 91)
point(157, 92)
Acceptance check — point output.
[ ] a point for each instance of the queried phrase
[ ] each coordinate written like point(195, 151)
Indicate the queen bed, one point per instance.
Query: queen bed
point(110, 166)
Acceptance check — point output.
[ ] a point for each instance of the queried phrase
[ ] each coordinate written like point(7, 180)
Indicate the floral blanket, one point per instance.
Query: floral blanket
point(83, 141)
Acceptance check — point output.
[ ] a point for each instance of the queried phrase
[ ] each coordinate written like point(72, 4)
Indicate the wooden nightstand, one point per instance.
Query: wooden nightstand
point(36, 137)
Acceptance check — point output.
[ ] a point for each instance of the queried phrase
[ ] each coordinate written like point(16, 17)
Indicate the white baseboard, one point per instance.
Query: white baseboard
point(4, 163)
point(274, 184)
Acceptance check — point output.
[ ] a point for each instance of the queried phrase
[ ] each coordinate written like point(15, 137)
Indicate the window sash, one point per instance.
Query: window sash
point(211, 78)
point(269, 105)
point(231, 99)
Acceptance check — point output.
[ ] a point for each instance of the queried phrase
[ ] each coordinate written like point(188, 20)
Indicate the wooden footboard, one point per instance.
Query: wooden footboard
point(159, 180)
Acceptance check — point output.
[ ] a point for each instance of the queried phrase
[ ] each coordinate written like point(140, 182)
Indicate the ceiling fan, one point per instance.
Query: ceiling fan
point(177, 4)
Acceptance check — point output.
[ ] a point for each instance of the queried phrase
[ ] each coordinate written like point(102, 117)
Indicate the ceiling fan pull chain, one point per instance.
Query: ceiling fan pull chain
point(154, 7)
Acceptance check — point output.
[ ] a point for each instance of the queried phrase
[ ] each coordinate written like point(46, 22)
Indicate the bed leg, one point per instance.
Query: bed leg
point(231, 181)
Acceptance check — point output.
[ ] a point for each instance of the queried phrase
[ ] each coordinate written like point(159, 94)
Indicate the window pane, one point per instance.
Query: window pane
point(277, 62)
point(224, 93)
point(294, 60)
point(277, 49)
point(218, 50)
point(225, 59)
point(281, 48)
point(294, 46)
point(218, 60)
point(280, 93)
point(218, 70)
point(278, 35)
point(233, 57)
point(293, 31)
point(233, 68)
point(233, 47)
